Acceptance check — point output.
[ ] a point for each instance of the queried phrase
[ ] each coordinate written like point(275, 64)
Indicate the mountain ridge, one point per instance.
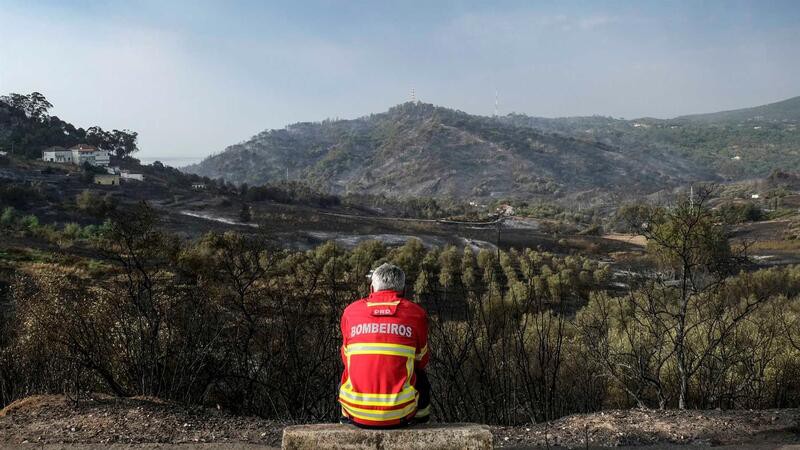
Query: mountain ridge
point(419, 149)
point(782, 110)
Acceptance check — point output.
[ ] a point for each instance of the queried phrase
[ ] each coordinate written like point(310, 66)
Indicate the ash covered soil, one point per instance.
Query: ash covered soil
point(54, 419)
point(103, 421)
point(775, 428)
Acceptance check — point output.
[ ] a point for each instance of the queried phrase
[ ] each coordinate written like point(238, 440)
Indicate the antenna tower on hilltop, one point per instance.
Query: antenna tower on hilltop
point(496, 103)
point(413, 95)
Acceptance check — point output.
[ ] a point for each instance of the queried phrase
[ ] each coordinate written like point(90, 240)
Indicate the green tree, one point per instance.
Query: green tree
point(694, 250)
point(8, 217)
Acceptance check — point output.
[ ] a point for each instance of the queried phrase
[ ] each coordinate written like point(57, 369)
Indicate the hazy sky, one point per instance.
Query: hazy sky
point(193, 76)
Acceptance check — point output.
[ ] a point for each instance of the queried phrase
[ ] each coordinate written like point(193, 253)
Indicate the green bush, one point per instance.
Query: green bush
point(72, 230)
point(94, 203)
point(89, 231)
point(29, 222)
point(738, 213)
point(8, 217)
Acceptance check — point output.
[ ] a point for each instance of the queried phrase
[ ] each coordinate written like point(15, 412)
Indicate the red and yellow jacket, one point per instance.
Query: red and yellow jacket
point(385, 337)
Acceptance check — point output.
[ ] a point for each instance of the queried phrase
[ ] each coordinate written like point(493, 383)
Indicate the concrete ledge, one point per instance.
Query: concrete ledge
point(450, 436)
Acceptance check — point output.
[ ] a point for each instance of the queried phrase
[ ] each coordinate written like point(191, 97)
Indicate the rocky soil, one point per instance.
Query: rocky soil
point(636, 427)
point(106, 422)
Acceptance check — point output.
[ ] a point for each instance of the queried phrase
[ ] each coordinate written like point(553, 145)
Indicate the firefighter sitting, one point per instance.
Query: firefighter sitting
point(384, 351)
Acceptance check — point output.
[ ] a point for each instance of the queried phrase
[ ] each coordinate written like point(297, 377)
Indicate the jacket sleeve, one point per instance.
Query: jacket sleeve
point(422, 356)
point(343, 327)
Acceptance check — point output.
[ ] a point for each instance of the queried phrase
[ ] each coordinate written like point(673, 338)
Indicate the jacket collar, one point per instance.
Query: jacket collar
point(384, 296)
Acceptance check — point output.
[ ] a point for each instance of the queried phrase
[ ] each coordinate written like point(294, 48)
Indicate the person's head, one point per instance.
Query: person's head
point(388, 277)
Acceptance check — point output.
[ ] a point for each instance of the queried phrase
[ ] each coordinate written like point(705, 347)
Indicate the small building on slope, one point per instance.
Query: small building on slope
point(107, 179)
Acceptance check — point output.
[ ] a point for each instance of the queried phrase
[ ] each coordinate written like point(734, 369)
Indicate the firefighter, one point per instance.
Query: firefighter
point(384, 351)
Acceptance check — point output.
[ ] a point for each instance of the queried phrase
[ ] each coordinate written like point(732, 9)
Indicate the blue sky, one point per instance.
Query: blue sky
point(195, 76)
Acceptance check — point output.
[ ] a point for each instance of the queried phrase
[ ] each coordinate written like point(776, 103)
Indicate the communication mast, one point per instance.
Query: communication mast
point(496, 103)
point(413, 96)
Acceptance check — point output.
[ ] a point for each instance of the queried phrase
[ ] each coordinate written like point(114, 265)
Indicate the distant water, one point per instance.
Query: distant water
point(174, 161)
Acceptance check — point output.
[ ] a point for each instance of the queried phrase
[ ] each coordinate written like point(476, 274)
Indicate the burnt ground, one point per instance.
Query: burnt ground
point(661, 429)
point(771, 242)
point(54, 421)
point(191, 213)
point(303, 227)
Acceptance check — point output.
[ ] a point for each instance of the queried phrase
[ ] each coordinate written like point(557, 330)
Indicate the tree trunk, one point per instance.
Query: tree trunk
point(680, 353)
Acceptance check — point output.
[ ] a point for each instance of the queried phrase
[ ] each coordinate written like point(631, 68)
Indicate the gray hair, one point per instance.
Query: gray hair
point(388, 277)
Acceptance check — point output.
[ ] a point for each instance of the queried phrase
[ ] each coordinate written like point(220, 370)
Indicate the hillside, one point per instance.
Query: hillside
point(783, 111)
point(26, 128)
point(422, 150)
point(735, 145)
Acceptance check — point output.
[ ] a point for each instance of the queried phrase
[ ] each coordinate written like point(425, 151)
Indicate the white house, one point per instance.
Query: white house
point(82, 153)
point(57, 154)
point(78, 154)
point(126, 175)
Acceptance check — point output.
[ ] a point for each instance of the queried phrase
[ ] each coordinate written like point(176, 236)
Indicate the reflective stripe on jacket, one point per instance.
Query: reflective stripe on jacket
point(385, 337)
